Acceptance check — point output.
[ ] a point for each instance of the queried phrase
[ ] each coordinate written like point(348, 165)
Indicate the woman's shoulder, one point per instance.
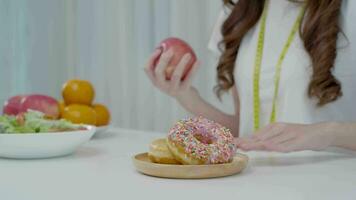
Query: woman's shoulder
point(216, 35)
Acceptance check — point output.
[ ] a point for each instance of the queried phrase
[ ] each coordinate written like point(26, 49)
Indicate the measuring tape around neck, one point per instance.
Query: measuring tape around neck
point(258, 62)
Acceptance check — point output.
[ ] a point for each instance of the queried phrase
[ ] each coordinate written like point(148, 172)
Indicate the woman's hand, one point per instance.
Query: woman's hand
point(176, 87)
point(285, 137)
point(187, 96)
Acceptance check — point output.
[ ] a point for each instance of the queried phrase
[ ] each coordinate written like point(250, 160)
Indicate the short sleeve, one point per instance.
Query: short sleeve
point(348, 15)
point(346, 58)
point(216, 36)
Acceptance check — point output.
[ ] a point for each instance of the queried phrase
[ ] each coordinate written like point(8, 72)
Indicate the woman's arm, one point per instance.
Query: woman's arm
point(344, 135)
point(196, 105)
point(286, 137)
point(183, 92)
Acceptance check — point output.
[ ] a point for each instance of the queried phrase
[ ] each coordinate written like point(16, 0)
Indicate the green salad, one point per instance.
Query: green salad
point(34, 122)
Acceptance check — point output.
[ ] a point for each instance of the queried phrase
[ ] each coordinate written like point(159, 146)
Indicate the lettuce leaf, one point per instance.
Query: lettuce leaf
point(34, 122)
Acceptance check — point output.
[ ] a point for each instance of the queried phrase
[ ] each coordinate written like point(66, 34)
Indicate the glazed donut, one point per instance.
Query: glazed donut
point(159, 153)
point(197, 141)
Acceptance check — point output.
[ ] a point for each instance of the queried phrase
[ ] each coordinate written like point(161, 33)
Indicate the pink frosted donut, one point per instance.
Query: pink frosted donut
point(197, 141)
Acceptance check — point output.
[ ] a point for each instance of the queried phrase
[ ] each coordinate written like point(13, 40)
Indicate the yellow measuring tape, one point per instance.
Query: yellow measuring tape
point(258, 61)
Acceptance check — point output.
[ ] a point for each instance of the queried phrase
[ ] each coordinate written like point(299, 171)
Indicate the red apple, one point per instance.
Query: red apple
point(48, 105)
point(180, 48)
point(12, 105)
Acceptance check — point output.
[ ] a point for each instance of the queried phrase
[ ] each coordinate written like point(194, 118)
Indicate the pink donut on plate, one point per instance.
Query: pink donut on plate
point(198, 141)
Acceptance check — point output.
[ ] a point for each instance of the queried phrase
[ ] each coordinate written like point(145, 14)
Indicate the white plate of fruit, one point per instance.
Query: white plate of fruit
point(77, 105)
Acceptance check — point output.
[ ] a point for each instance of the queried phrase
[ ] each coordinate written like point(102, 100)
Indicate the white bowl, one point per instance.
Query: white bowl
point(43, 145)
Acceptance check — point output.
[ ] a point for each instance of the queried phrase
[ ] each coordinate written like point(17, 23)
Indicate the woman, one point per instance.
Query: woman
point(291, 70)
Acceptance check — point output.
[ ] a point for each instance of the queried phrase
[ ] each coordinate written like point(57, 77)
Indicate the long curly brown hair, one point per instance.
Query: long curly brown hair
point(319, 32)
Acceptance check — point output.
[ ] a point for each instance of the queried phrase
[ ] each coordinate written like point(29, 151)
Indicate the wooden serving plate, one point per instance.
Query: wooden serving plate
point(144, 165)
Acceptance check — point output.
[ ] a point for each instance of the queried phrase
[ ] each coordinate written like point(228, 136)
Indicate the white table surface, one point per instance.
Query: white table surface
point(102, 170)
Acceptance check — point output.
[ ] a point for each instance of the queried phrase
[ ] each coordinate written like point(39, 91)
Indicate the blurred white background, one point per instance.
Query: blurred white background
point(43, 43)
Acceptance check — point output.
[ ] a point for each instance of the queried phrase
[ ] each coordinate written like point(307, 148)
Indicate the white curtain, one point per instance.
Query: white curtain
point(43, 43)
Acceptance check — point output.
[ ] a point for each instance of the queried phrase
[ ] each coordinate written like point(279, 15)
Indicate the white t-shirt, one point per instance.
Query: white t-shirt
point(293, 103)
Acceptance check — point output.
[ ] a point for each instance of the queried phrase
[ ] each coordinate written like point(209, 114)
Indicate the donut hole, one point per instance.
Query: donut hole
point(204, 139)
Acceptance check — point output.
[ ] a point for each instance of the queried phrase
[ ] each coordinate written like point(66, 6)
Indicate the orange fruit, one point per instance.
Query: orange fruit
point(78, 92)
point(80, 114)
point(102, 114)
point(62, 105)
